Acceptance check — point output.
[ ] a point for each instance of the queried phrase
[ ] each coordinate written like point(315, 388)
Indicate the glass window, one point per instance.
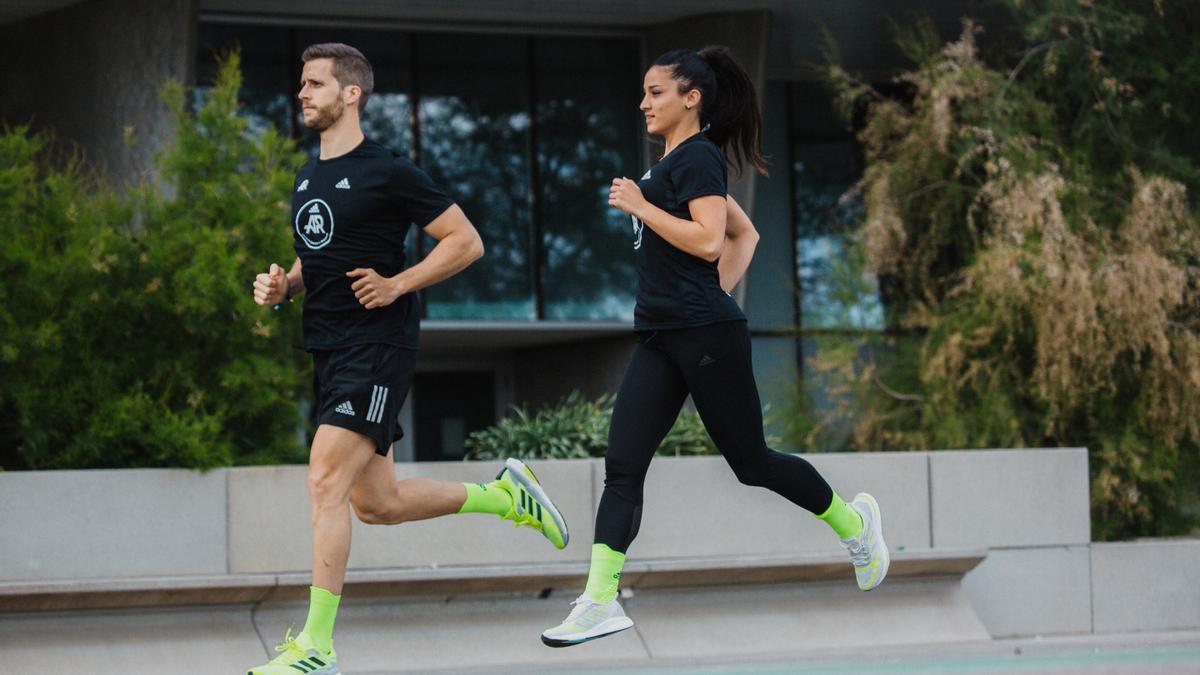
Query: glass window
point(524, 132)
point(835, 290)
point(268, 74)
point(587, 114)
point(475, 143)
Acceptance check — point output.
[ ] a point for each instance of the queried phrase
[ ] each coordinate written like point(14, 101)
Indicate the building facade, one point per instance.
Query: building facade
point(523, 111)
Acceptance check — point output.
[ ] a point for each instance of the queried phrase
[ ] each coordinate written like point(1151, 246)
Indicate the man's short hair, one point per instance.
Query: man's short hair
point(349, 66)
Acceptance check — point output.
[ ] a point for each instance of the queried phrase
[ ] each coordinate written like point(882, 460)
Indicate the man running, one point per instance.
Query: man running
point(351, 209)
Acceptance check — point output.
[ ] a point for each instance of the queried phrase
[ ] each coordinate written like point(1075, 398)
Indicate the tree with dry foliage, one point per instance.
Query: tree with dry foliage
point(1033, 221)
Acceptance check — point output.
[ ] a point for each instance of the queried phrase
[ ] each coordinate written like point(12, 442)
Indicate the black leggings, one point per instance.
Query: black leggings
point(712, 363)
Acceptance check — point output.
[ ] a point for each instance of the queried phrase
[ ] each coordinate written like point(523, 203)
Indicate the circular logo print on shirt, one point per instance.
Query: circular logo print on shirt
point(314, 223)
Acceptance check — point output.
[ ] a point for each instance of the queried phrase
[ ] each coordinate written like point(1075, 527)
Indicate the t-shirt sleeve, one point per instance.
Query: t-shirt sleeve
point(418, 199)
point(698, 171)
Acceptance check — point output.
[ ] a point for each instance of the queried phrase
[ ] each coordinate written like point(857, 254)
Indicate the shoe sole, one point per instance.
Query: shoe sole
point(886, 558)
point(518, 469)
point(610, 627)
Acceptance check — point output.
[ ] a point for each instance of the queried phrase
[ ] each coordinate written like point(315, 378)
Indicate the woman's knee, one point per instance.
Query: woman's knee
point(756, 472)
point(625, 479)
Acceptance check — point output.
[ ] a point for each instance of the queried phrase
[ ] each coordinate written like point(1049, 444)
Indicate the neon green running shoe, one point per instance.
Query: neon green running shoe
point(298, 655)
point(531, 506)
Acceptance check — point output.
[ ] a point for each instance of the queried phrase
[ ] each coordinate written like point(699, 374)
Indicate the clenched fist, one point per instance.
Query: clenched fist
point(625, 194)
point(271, 288)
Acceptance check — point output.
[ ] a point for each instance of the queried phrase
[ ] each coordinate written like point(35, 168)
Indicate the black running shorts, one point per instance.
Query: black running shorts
point(362, 388)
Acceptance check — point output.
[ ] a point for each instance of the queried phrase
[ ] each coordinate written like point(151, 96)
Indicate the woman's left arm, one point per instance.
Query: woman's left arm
point(703, 236)
point(740, 241)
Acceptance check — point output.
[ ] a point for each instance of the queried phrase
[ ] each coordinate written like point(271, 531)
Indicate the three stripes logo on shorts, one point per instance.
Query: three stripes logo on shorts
point(378, 399)
point(345, 408)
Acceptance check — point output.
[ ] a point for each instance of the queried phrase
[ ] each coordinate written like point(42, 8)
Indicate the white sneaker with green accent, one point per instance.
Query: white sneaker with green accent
point(298, 656)
point(868, 552)
point(588, 620)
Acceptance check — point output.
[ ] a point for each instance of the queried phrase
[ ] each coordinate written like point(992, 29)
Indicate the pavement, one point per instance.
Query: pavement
point(1123, 654)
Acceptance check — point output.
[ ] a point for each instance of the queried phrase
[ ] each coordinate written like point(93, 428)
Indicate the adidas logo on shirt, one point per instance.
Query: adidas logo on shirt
point(303, 185)
point(345, 408)
point(343, 184)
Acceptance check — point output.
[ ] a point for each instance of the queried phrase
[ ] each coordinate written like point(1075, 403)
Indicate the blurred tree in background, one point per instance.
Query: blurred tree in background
point(1032, 220)
point(128, 333)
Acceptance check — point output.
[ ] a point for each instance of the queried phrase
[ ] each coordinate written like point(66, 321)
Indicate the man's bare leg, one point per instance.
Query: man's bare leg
point(379, 499)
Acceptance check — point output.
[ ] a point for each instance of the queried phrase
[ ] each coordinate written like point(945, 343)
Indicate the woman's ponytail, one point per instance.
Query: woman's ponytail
point(728, 102)
point(734, 119)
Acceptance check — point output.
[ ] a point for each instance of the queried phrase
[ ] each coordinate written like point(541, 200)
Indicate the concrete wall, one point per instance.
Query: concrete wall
point(92, 70)
point(1029, 507)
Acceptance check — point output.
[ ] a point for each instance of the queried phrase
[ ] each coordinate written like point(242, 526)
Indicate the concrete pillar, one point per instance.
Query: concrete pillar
point(93, 71)
point(747, 34)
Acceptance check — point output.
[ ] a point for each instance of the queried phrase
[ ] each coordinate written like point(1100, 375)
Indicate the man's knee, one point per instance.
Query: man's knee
point(326, 487)
point(371, 511)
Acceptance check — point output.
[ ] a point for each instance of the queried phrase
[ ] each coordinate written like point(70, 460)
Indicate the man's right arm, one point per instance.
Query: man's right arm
point(275, 285)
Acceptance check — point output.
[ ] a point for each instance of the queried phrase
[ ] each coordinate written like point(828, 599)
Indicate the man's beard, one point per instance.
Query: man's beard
point(327, 116)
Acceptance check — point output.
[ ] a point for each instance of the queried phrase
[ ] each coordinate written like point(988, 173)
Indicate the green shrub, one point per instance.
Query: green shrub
point(128, 334)
point(575, 428)
point(1035, 225)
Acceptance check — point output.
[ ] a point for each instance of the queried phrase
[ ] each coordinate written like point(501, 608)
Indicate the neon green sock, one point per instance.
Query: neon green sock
point(604, 578)
point(322, 610)
point(842, 518)
point(486, 498)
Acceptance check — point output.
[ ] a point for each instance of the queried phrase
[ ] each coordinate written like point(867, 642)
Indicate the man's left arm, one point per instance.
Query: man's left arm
point(458, 246)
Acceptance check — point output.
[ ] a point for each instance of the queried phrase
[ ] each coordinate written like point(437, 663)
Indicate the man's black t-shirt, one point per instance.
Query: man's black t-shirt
point(677, 289)
point(354, 211)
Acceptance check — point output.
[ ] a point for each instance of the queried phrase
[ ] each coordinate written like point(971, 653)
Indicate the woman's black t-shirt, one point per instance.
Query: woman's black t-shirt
point(677, 289)
point(354, 211)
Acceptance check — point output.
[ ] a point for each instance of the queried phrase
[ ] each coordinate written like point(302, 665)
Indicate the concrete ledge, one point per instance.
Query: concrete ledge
point(463, 580)
point(1033, 591)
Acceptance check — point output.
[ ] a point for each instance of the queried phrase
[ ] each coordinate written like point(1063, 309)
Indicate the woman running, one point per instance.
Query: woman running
point(693, 243)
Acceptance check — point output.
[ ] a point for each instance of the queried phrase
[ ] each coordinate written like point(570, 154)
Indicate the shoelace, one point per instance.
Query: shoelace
point(581, 606)
point(860, 553)
point(287, 646)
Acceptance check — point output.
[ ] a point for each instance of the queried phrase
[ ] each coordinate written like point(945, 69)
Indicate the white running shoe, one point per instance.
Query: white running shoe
point(588, 620)
point(868, 552)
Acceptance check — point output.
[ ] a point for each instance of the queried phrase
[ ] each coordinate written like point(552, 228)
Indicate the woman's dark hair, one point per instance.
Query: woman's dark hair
point(728, 102)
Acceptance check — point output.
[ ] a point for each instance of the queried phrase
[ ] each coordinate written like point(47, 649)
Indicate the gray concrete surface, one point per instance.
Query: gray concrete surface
point(499, 631)
point(93, 71)
point(696, 506)
point(999, 498)
point(1036, 591)
point(1124, 654)
point(269, 523)
point(94, 524)
point(1136, 586)
point(1027, 508)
